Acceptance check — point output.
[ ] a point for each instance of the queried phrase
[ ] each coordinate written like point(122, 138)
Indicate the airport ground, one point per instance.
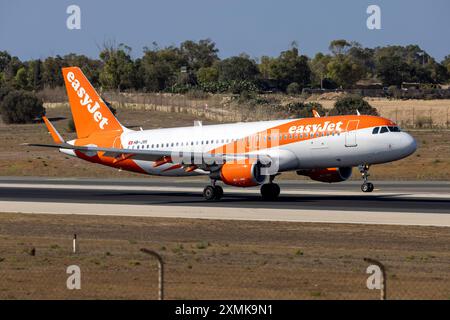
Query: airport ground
point(308, 245)
point(430, 162)
point(311, 245)
point(217, 259)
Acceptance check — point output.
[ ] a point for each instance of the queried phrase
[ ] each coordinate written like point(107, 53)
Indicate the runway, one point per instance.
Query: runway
point(411, 203)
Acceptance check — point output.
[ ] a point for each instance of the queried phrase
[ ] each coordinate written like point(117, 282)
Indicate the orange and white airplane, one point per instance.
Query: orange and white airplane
point(239, 154)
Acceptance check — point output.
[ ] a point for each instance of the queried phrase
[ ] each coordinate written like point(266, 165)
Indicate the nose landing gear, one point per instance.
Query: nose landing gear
point(366, 186)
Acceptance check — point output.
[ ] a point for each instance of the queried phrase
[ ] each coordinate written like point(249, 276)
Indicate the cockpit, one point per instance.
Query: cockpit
point(384, 129)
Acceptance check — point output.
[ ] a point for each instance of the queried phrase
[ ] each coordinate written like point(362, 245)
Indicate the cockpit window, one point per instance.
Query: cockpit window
point(394, 129)
point(375, 130)
point(384, 130)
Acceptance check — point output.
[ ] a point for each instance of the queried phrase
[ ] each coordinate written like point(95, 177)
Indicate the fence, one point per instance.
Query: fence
point(204, 271)
point(225, 108)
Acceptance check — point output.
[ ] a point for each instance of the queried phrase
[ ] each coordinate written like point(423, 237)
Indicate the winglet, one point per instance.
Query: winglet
point(55, 134)
point(315, 113)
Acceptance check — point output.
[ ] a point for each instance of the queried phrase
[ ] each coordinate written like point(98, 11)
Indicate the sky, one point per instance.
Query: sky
point(37, 29)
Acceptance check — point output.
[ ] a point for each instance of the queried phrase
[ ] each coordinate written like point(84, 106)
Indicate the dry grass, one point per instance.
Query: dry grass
point(430, 162)
point(217, 259)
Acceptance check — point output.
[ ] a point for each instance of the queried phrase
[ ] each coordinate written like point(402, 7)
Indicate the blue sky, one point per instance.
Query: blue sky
point(37, 29)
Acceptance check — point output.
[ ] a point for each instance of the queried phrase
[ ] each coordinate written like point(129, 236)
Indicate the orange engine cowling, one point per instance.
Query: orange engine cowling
point(242, 173)
point(329, 175)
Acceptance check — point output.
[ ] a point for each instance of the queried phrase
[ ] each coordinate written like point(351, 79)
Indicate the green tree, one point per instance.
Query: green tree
point(319, 68)
point(118, 69)
point(345, 71)
point(291, 67)
point(21, 79)
point(201, 54)
point(35, 74)
point(237, 68)
point(161, 68)
point(350, 104)
point(207, 74)
point(339, 47)
point(5, 59)
point(305, 110)
point(21, 107)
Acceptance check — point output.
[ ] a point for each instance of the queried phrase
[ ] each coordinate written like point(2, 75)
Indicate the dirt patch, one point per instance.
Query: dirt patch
point(208, 259)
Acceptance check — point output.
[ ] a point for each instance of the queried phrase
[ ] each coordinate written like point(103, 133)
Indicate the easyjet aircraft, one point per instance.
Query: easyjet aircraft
point(239, 154)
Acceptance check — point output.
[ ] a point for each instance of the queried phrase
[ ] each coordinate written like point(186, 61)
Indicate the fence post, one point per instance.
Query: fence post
point(160, 271)
point(383, 275)
point(74, 243)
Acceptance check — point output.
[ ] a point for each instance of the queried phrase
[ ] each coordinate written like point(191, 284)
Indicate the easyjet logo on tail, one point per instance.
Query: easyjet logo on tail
point(86, 101)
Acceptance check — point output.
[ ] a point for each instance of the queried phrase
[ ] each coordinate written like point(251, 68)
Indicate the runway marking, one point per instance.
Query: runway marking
point(252, 214)
point(406, 195)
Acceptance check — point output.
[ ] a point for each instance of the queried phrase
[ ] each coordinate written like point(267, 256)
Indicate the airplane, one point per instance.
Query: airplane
point(249, 154)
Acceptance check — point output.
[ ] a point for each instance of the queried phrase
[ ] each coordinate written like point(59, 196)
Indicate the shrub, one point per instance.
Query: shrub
point(350, 103)
point(304, 110)
point(293, 88)
point(21, 107)
point(71, 126)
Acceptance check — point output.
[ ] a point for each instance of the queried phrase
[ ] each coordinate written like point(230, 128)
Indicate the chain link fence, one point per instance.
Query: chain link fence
point(205, 271)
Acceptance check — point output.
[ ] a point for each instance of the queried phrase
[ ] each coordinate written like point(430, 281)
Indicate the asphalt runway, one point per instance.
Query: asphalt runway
point(427, 200)
point(388, 196)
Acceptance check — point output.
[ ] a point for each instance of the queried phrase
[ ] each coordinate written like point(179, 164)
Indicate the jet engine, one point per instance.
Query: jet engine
point(242, 173)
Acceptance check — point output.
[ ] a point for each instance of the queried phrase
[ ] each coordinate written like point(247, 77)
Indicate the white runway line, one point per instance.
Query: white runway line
point(220, 213)
point(300, 191)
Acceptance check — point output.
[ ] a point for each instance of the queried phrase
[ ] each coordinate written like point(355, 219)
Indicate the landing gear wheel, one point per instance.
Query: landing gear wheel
point(367, 187)
point(209, 193)
point(219, 192)
point(270, 191)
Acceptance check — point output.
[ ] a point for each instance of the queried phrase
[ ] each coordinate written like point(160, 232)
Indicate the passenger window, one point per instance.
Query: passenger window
point(384, 130)
point(376, 130)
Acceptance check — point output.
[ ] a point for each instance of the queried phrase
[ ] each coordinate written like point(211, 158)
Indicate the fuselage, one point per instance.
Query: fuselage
point(307, 143)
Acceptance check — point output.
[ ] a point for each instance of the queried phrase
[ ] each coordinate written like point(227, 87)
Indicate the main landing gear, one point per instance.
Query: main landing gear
point(213, 192)
point(366, 186)
point(270, 191)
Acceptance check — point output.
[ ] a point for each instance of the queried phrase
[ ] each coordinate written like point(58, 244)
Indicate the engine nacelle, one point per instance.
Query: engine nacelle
point(242, 173)
point(329, 175)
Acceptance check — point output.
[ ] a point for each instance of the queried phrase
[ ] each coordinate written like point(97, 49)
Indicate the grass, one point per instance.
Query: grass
point(432, 164)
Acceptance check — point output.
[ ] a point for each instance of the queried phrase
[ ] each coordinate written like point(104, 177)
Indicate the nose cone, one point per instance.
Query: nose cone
point(408, 144)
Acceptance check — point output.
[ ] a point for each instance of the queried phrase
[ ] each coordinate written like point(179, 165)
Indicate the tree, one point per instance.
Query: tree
point(392, 70)
point(5, 59)
point(339, 47)
point(345, 71)
point(237, 68)
point(199, 55)
point(291, 67)
point(446, 63)
point(319, 68)
point(21, 79)
point(118, 69)
point(161, 68)
point(21, 107)
point(293, 88)
point(350, 104)
point(35, 74)
point(305, 110)
point(207, 74)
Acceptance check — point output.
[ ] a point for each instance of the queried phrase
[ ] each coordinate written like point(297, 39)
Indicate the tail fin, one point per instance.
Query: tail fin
point(90, 113)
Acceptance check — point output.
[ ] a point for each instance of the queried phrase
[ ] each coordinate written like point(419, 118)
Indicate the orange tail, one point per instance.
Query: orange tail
point(90, 113)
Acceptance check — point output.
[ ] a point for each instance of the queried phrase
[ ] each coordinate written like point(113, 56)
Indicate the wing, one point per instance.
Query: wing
point(160, 156)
